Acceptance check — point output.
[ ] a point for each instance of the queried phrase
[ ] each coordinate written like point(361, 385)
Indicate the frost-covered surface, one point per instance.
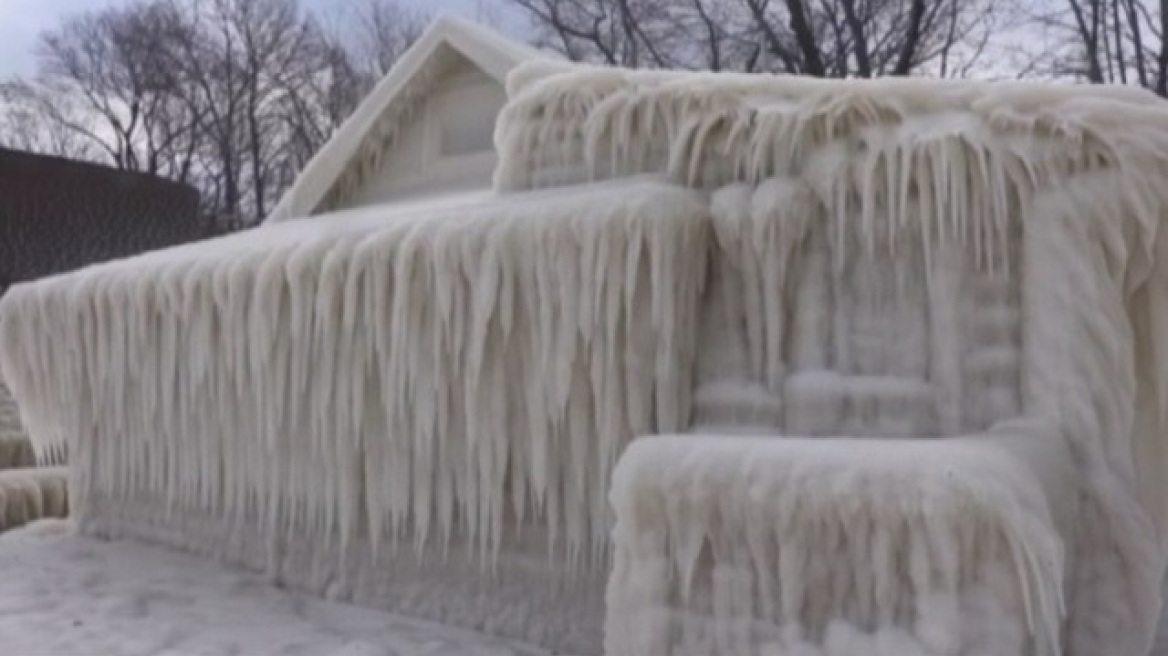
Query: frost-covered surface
point(314, 396)
point(66, 595)
point(840, 547)
point(27, 495)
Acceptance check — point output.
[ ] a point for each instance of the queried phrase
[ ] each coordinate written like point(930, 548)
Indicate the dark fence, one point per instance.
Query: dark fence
point(57, 215)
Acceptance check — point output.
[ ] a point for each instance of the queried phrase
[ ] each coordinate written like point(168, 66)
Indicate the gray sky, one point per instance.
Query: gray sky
point(22, 20)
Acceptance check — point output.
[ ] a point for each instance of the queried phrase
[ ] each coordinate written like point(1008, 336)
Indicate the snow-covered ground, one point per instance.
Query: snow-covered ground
point(64, 595)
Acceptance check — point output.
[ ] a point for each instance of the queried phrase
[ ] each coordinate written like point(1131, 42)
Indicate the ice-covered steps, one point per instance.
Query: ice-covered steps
point(30, 494)
point(15, 452)
point(15, 448)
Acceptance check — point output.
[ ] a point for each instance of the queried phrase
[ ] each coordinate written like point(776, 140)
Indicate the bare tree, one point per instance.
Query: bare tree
point(103, 78)
point(375, 33)
point(259, 52)
point(24, 125)
point(825, 38)
point(233, 96)
point(1108, 41)
point(626, 32)
point(275, 85)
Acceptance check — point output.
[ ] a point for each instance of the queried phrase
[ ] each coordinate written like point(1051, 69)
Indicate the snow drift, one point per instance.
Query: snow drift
point(965, 281)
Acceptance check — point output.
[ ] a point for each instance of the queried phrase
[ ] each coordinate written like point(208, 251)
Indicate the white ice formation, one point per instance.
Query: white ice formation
point(902, 345)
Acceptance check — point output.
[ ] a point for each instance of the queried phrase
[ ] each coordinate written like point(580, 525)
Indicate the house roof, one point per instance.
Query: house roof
point(358, 145)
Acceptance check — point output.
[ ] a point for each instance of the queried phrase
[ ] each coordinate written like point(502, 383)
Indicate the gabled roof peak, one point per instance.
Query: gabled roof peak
point(345, 151)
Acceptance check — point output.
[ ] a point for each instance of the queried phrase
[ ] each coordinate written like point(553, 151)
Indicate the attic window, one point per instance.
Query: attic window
point(467, 134)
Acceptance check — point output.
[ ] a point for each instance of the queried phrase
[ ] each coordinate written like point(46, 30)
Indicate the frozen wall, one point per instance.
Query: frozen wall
point(416, 408)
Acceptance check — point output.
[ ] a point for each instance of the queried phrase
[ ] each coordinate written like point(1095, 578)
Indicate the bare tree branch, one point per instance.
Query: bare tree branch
point(836, 38)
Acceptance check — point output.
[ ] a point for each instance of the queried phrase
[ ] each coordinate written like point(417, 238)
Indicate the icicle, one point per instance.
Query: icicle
point(271, 346)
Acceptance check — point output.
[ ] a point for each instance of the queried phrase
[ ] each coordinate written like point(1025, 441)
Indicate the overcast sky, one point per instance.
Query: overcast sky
point(22, 20)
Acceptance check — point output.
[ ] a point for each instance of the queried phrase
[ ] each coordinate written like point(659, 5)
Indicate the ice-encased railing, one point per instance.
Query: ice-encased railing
point(1064, 183)
point(321, 397)
point(848, 547)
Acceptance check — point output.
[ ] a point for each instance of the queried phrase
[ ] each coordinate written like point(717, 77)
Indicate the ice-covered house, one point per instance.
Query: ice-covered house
point(720, 365)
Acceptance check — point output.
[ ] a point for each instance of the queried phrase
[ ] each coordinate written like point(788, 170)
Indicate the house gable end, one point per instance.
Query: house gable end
point(355, 165)
point(447, 144)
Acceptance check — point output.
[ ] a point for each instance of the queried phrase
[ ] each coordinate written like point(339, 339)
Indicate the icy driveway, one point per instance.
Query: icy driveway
point(62, 595)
